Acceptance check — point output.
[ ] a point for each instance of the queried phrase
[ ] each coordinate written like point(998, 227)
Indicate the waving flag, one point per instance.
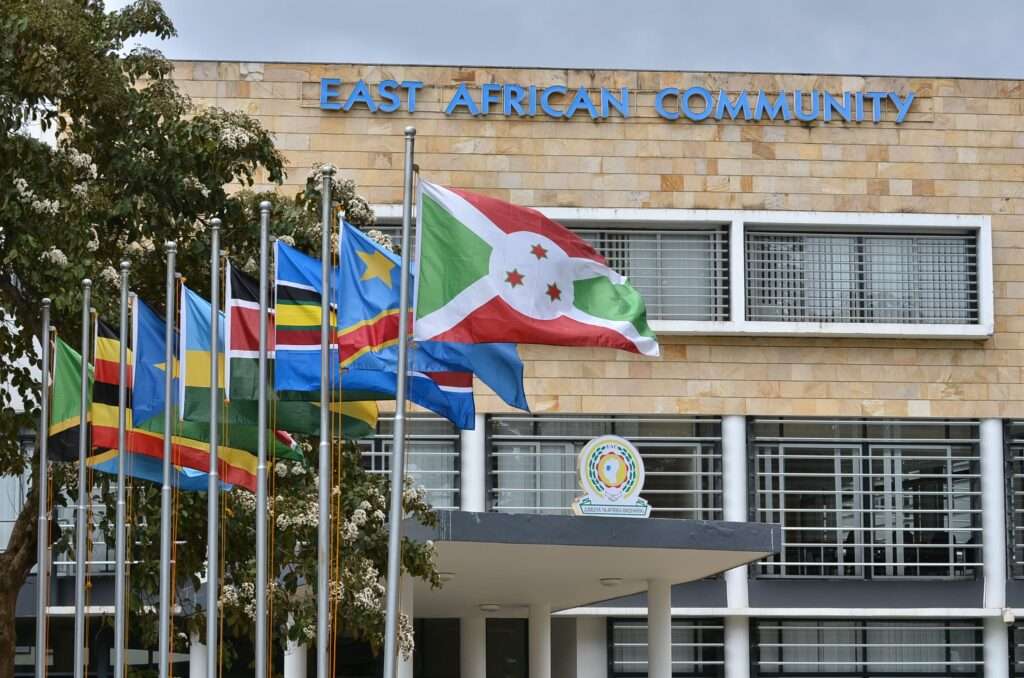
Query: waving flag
point(449, 394)
point(368, 300)
point(296, 412)
point(491, 271)
point(66, 402)
point(151, 469)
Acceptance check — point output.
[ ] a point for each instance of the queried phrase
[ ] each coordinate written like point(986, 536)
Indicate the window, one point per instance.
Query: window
point(533, 462)
point(13, 491)
point(1017, 650)
point(774, 273)
point(698, 647)
point(1015, 453)
point(682, 275)
point(869, 498)
point(869, 649)
point(861, 278)
point(431, 456)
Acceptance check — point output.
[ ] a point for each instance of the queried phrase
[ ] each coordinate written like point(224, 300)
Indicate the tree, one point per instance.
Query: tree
point(134, 165)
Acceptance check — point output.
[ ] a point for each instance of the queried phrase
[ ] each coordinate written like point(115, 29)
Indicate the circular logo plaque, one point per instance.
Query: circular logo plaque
point(611, 473)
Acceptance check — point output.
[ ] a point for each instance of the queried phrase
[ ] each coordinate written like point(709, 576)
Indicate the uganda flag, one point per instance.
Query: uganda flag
point(66, 403)
point(190, 441)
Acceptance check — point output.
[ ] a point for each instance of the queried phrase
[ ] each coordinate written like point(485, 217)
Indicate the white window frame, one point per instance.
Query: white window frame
point(739, 220)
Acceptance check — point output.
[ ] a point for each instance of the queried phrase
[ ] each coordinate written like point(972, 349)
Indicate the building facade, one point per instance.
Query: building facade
point(836, 286)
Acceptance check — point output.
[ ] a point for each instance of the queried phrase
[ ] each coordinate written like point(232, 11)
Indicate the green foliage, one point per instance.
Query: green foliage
point(134, 165)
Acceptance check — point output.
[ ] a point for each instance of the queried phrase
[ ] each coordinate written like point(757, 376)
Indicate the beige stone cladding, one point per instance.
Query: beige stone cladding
point(959, 151)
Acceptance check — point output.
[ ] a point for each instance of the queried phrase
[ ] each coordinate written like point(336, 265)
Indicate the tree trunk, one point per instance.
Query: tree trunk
point(15, 565)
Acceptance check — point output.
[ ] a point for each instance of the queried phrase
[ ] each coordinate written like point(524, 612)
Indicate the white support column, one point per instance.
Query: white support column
point(196, 658)
point(540, 641)
point(473, 645)
point(591, 647)
point(659, 628)
point(405, 606)
point(993, 524)
point(734, 505)
point(472, 468)
point(294, 658)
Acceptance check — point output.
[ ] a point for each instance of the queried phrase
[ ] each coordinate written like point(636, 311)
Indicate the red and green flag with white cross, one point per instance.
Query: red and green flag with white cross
point(494, 272)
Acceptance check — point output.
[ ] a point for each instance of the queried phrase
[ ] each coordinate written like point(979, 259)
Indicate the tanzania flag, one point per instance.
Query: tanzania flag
point(490, 271)
point(66, 403)
point(294, 411)
point(151, 469)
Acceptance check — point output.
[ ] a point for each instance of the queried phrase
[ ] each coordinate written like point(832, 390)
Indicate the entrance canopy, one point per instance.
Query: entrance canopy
point(515, 560)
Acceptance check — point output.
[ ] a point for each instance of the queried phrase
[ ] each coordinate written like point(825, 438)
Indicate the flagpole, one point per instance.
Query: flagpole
point(213, 488)
point(261, 450)
point(398, 438)
point(120, 601)
point(43, 488)
point(171, 248)
point(323, 527)
point(81, 538)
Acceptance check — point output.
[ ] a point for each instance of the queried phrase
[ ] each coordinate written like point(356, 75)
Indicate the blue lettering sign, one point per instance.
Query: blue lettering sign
point(693, 103)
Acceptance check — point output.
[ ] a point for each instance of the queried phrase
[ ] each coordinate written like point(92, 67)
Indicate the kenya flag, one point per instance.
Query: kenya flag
point(494, 272)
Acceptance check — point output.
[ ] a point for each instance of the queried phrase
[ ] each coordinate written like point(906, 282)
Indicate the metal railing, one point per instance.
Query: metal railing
point(432, 456)
point(867, 648)
point(1015, 451)
point(698, 648)
point(532, 462)
point(870, 499)
point(861, 278)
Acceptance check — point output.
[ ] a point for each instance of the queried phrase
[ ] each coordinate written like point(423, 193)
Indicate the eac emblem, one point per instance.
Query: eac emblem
point(611, 473)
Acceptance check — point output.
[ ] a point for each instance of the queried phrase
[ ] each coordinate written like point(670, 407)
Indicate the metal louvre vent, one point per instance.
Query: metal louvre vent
point(432, 456)
point(698, 647)
point(532, 462)
point(682, 275)
point(861, 278)
point(869, 498)
point(874, 649)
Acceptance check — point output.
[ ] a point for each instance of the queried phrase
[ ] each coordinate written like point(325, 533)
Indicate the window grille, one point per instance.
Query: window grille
point(869, 498)
point(682, 275)
point(100, 559)
point(1015, 451)
point(869, 649)
point(861, 278)
point(533, 462)
point(431, 456)
point(698, 648)
point(1017, 650)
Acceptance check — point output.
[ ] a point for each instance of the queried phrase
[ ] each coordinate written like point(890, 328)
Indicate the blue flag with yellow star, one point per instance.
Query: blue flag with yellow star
point(368, 302)
point(148, 364)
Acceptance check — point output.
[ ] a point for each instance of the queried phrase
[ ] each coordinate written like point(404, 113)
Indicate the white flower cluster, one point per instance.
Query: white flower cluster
point(287, 240)
point(381, 238)
point(54, 256)
point(359, 211)
point(306, 514)
point(196, 185)
point(139, 247)
point(110, 276)
point(147, 155)
point(39, 205)
point(281, 469)
point(81, 161)
point(235, 137)
point(369, 593)
point(80, 191)
point(94, 240)
point(349, 531)
point(406, 640)
point(245, 500)
point(298, 469)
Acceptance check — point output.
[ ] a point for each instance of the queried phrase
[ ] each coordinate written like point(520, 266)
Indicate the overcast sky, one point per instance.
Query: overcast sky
point(979, 38)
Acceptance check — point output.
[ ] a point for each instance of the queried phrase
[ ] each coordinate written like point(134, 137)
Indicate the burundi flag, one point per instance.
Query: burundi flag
point(449, 394)
point(367, 298)
point(66, 402)
point(295, 411)
point(490, 271)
